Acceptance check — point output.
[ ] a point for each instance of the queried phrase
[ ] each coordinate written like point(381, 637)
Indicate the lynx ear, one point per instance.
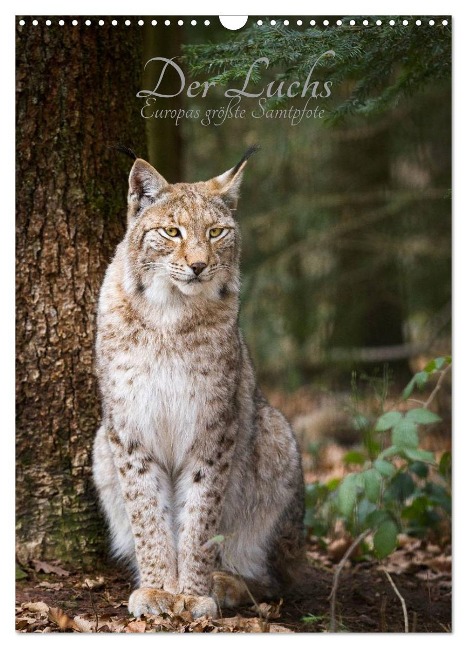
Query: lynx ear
point(227, 185)
point(145, 183)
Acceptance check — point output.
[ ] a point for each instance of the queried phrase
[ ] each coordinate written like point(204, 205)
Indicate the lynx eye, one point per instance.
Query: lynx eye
point(173, 232)
point(215, 232)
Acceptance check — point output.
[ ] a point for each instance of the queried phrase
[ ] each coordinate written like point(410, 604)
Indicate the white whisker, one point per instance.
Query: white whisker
point(153, 264)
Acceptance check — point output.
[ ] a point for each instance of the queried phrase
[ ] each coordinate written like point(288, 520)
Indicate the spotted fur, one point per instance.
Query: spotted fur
point(189, 448)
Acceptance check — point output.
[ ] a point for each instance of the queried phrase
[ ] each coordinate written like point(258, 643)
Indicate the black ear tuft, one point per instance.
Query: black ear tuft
point(227, 185)
point(125, 150)
point(249, 152)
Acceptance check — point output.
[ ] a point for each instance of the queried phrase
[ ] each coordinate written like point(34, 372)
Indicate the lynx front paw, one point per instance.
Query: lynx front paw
point(147, 600)
point(200, 606)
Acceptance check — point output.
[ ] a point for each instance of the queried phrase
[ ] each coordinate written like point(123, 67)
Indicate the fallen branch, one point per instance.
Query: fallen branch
point(437, 387)
point(335, 580)
point(404, 608)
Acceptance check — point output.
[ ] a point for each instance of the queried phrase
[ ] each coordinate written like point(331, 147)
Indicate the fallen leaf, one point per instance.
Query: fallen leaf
point(240, 624)
point(275, 627)
point(337, 548)
point(38, 606)
point(399, 562)
point(117, 604)
point(434, 549)
point(202, 624)
point(268, 610)
point(27, 617)
point(115, 625)
point(21, 624)
point(136, 626)
point(112, 602)
point(411, 559)
point(440, 564)
point(49, 586)
point(84, 625)
point(47, 568)
point(428, 575)
point(408, 542)
point(255, 625)
point(93, 583)
point(316, 556)
point(60, 618)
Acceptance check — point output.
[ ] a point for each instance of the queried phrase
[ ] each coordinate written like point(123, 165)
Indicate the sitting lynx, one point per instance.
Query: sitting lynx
point(189, 448)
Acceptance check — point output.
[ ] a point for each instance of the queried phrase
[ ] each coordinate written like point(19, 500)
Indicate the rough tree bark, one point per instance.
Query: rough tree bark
point(76, 88)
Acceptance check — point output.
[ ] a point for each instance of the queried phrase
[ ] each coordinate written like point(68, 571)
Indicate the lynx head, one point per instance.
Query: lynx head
point(182, 238)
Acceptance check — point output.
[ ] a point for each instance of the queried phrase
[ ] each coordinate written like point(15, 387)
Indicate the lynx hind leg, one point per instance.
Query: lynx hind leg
point(268, 546)
point(230, 591)
point(147, 600)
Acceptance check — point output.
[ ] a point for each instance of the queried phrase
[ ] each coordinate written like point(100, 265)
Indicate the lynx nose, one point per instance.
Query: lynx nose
point(198, 267)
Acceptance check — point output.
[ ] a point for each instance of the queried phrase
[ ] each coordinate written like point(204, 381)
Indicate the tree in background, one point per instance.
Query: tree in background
point(73, 100)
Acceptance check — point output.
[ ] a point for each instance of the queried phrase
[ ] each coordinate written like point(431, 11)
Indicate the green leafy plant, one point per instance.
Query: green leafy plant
point(313, 619)
point(396, 484)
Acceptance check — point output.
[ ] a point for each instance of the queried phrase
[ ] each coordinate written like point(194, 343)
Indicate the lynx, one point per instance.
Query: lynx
point(199, 477)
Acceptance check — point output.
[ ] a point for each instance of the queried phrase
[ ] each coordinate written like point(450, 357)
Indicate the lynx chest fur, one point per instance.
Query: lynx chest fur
point(163, 382)
point(188, 447)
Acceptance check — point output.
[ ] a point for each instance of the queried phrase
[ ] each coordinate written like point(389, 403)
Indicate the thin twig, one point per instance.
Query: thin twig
point(262, 620)
point(335, 580)
point(437, 387)
point(236, 573)
point(383, 625)
point(93, 607)
point(404, 608)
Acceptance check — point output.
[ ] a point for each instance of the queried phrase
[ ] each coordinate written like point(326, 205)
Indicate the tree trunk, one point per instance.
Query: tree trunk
point(76, 88)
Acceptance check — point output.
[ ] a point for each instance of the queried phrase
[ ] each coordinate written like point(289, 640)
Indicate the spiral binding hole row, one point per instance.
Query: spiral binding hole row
point(286, 22)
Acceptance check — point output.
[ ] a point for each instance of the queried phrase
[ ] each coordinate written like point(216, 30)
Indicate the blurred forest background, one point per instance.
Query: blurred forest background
point(346, 222)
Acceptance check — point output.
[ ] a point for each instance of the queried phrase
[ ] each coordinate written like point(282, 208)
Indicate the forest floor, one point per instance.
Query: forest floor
point(54, 599)
point(58, 598)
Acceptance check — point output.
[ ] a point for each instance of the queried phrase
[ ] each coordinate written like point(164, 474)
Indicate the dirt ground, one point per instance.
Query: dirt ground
point(54, 599)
